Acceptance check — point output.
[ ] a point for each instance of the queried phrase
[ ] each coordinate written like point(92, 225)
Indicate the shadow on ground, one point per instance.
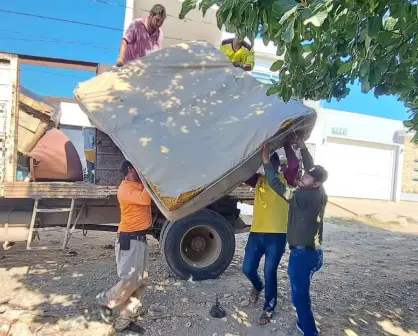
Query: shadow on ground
point(368, 286)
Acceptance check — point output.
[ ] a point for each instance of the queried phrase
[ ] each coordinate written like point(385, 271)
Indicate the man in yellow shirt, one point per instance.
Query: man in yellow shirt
point(131, 251)
point(268, 233)
point(240, 53)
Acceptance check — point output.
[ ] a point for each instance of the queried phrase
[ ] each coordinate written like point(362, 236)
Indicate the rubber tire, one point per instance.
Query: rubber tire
point(173, 236)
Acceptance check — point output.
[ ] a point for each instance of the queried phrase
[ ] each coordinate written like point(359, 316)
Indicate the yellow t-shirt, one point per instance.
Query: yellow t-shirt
point(242, 55)
point(270, 210)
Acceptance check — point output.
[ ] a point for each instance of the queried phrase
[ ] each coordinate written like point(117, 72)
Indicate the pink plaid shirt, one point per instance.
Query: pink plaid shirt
point(140, 42)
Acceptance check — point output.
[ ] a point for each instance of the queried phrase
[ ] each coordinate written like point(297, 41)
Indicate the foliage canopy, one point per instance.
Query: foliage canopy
point(327, 44)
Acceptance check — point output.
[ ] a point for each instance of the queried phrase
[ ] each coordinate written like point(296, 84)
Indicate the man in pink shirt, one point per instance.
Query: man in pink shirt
point(143, 36)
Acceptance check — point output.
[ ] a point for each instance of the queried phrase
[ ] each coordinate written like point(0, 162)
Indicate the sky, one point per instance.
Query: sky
point(41, 37)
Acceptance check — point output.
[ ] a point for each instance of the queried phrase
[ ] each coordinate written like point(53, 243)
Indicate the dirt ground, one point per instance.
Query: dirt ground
point(368, 286)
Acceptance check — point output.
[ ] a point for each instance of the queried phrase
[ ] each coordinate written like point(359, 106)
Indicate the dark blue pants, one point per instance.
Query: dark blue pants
point(272, 245)
point(302, 265)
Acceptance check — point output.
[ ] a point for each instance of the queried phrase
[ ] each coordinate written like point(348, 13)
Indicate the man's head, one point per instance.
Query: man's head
point(129, 171)
point(313, 178)
point(157, 16)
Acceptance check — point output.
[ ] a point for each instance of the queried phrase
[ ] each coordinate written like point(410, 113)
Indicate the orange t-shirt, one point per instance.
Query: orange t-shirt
point(135, 207)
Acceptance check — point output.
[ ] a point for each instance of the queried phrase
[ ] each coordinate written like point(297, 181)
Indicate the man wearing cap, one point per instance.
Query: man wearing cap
point(304, 233)
point(131, 251)
point(143, 36)
point(239, 52)
point(268, 232)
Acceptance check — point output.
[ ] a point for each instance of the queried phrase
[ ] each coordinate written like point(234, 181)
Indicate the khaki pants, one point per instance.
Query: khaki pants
point(126, 294)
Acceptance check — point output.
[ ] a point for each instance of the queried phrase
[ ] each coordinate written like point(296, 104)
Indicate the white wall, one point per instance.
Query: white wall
point(73, 119)
point(75, 134)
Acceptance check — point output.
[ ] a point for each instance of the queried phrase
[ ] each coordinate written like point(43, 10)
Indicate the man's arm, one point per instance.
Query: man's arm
point(249, 61)
point(273, 179)
point(122, 53)
point(292, 165)
point(128, 38)
point(306, 156)
point(137, 196)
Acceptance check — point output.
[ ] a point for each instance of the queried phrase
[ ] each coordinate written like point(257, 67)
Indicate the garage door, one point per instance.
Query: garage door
point(359, 169)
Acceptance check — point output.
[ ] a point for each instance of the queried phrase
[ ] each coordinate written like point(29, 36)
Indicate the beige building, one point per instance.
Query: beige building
point(410, 169)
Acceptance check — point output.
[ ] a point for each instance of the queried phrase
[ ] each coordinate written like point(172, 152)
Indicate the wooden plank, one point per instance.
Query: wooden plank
point(77, 190)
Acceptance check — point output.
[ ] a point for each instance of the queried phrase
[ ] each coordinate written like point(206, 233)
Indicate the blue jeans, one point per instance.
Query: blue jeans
point(272, 245)
point(302, 265)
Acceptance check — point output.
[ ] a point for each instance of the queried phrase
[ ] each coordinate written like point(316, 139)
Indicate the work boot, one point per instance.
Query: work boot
point(265, 318)
point(105, 312)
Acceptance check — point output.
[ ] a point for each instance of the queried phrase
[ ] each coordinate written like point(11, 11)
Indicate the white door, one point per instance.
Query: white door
point(359, 169)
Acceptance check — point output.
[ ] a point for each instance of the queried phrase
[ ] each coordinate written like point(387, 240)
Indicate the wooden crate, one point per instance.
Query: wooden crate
point(108, 161)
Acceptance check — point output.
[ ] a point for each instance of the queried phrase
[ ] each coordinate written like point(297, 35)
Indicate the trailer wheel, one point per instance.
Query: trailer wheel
point(200, 246)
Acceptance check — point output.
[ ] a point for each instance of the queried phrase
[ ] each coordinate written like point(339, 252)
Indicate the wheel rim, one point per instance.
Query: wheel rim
point(201, 246)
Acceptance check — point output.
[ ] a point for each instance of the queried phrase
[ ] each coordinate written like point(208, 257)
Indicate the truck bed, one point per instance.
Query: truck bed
point(83, 190)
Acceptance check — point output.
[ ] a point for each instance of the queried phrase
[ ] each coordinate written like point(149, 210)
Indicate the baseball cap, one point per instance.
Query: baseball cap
point(318, 173)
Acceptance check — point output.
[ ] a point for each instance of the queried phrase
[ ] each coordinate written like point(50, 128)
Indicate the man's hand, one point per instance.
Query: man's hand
point(300, 143)
point(266, 153)
point(120, 62)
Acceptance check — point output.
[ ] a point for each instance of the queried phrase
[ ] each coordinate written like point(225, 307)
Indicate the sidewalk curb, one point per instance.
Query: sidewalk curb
point(343, 208)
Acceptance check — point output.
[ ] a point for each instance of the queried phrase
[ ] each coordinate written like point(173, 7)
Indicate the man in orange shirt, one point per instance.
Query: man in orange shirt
point(131, 251)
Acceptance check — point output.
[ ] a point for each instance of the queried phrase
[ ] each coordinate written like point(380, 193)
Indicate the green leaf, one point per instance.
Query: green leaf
point(346, 67)
point(365, 86)
point(266, 39)
point(367, 42)
point(206, 4)
point(309, 47)
point(375, 75)
point(317, 19)
point(408, 123)
point(289, 34)
point(280, 50)
point(384, 36)
point(282, 6)
point(374, 25)
point(186, 7)
point(276, 65)
point(272, 90)
point(383, 66)
point(288, 14)
point(364, 68)
point(306, 13)
point(389, 23)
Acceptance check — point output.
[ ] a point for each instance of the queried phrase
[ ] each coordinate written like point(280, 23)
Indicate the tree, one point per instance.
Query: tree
point(327, 44)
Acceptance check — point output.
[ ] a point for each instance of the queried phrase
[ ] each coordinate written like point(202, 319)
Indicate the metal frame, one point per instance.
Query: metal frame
point(32, 228)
